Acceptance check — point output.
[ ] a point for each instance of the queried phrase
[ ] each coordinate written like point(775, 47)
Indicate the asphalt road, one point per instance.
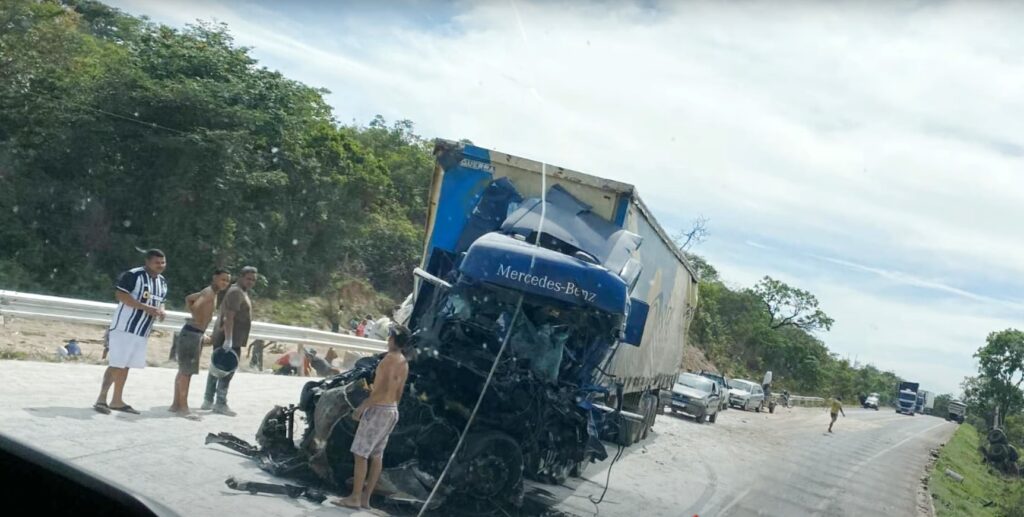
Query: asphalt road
point(746, 464)
point(783, 464)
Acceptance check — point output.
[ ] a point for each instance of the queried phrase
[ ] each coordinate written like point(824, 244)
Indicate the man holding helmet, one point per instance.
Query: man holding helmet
point(229, 336)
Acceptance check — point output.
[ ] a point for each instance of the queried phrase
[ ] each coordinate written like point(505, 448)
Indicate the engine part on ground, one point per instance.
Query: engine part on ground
point(292, 491)
point(223, 362)
point(234, 443)
point(275, 433)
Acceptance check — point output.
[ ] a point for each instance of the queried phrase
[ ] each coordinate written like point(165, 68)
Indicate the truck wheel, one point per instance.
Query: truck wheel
point(998, 452)
point(713, 418)
point(757, 408)
point(996, 436)
point(699, 418)
point(489, 469)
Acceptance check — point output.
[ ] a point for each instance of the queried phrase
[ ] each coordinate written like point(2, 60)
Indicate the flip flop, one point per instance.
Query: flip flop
point(126, 409)
point(191, 416)
point(101, 408)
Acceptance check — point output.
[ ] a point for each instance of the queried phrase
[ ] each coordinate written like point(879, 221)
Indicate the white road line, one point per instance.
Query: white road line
point(829, 500)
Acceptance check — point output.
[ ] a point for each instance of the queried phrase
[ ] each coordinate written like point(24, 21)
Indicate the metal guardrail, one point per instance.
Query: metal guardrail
point(37, 306)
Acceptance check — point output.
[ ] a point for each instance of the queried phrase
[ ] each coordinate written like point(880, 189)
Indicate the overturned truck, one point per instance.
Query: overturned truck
point(570, 278)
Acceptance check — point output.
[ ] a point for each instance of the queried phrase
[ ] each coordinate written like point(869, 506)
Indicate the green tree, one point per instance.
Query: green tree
point(1001, 368)
point(790, 306)
point(942, 404)
point(118, 134)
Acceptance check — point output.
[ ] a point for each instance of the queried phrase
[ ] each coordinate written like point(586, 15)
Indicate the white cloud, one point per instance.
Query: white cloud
point(871, 133)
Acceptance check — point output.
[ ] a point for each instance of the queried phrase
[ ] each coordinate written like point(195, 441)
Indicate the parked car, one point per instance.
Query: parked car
point(697, 396)
point(871, 402)
point(746, 395)
point(723, 387)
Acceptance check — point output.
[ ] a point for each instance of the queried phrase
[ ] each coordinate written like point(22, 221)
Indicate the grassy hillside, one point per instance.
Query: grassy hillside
point(983, 491)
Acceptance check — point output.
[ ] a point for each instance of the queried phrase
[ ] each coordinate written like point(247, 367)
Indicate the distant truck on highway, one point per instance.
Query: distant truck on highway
point(926, 402)
point(956, 411)
point(906, 397)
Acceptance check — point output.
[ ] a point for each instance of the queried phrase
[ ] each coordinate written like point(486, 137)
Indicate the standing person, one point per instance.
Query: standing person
point(231, 333)
point(140, 293)
point(255, 351)
point(190, 339)
point(377, 416)
point(837, 407)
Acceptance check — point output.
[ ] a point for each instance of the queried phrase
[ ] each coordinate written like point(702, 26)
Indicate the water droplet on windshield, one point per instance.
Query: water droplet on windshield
point(295, 242)
point(15, 209)
point(127, 223)
point(136, 113)
point(273, 150)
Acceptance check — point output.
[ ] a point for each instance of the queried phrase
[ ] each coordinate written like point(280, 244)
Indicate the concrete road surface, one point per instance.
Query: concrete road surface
point(746, 464)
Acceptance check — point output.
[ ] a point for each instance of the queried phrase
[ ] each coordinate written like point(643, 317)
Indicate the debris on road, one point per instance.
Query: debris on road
point(292, 491)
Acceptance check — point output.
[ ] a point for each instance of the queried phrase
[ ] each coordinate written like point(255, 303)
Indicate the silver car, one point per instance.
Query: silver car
point(745, 395)
point(697, 396)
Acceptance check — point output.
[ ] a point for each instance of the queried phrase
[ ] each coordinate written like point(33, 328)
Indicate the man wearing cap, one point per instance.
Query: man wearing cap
point(190, 338)
point(230, 335)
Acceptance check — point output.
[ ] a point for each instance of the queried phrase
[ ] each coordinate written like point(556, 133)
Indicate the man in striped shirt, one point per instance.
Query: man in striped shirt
point(140, 293)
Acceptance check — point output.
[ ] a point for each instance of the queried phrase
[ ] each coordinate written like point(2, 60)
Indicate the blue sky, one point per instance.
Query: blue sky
point(871, 154)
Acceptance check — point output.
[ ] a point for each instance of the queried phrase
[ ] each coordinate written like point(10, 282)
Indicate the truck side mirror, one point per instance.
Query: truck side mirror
point(635, 322)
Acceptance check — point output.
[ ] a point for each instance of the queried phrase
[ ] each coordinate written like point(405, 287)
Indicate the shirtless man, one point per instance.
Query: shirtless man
point(192, 337)
point(377, 416)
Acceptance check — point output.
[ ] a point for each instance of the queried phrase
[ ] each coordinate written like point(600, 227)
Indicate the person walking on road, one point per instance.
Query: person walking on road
point(140, 293)
point(191, 337)
point(377, 416)
point(231, 333)
point(837, 407)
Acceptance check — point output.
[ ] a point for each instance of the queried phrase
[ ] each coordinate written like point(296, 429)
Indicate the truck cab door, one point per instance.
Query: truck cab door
point(635, 322)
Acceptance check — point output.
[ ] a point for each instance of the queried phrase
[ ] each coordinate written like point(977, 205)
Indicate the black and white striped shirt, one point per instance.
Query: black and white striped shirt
point(144, 288)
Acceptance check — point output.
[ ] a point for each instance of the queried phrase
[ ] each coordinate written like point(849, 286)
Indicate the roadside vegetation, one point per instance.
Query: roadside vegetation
point(778, 327)
point(983, 492)
point(995, 400)
point(118, 134)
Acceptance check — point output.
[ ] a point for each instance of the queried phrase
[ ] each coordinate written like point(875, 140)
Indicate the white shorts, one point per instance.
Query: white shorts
point(126, 350)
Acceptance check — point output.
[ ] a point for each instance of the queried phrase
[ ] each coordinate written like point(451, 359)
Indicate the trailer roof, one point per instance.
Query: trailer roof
point(582, 178)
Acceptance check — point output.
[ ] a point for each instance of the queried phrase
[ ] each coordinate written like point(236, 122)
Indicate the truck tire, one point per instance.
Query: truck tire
point(713, 418)
point(996, 436)
point(649, 407)
point(499, 457)
point(998, 452)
